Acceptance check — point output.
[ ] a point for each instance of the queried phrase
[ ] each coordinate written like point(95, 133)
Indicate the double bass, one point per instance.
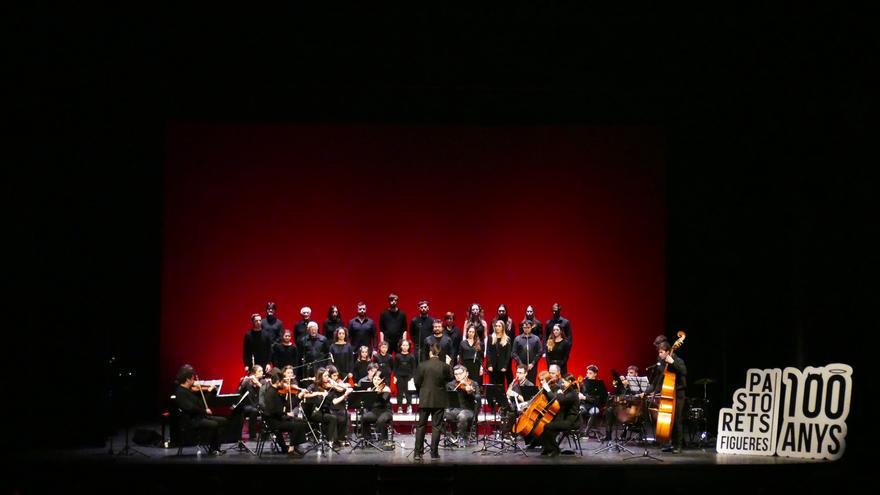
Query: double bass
point(539, 412)
point(666, 405)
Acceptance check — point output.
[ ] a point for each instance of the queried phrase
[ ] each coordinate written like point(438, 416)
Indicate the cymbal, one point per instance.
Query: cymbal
point(705, 381)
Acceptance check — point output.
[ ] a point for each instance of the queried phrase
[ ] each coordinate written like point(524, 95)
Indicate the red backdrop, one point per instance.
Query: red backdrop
point(320, 215)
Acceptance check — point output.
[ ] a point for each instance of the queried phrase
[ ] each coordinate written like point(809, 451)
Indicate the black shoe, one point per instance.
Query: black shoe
point(668, 448)
point(676, 450)
point(606, 439)
point(435, 455)
point(218, 452)
point(417, 456)
point(554, 453)
point(544, 454)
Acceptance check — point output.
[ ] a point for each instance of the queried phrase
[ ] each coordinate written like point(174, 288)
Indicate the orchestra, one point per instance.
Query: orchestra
point(383, 359)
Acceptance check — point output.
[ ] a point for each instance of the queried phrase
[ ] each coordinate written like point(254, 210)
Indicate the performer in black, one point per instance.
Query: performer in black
point(527, 350)
point(470, 352)
point(498, 363)
point(380, 413)
point(383, 358)
point(620, 387)
point(404, 367)
point(420, 328)
point(475, 318)
point(320, 397)
point(284, 353)
point(516, 401)
point(272, 326)
point(273, 404)
point(557, 349)
point(333, 321)
point(366, 381)
point(257, 347)
point(592, 395)
point(392, 324)
point(342, 353)
point(301, 328)
point(462, 414)
point(362, 329)
point(566, 393)
point(431, 378)
point(537, 326)
point(194, 414)
point(451, 330)
point(251, 385)
point(340, 408)
point(440, 338)
point(362, 362)
point(313, 347)
point(558, 319)
point(676, 365)
point(504, 317)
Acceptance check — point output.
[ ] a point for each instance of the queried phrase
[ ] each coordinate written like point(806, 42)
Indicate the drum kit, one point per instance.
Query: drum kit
point(697, 415)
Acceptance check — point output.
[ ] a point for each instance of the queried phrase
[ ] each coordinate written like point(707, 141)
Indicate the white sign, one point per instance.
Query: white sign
point(791, 413)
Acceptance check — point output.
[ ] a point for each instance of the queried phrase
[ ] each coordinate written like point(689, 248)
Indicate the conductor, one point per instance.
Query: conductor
point(431, 378)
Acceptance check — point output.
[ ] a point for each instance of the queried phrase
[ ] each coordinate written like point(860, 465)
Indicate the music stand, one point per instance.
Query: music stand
point(361, 400)
point(645, 419)
point(491, 395)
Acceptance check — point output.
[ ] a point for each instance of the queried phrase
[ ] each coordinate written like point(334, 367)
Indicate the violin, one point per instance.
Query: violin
point(289, 389)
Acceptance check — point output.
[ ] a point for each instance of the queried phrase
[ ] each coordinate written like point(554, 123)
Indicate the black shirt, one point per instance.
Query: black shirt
point(445, 344)
point(454, 335)
point(527, 349)
point(404, 365)
point(678, 367)
point(498, 356)
point(362, 333)
point(384, 363)
point(273, 403)
point(466, 400)
point(272, 327)
point(329, 326)
point(466, 353)
point(479, 328)
point(300, 330)
point(360, 369)
point(559, 354)
point(343, 358)
point(191, 406)
point(314, 348)
point(392, 324)
point(563, 323)
point(594, 391)
point(252, 389)
point(537, 329)
point(257, 348)
point(284, 355)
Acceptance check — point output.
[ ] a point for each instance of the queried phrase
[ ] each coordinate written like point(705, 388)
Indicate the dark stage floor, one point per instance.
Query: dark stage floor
point(459, 470)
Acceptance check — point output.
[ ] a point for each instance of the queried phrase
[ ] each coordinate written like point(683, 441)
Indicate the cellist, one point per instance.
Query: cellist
point(566, 418)
point(673, 364)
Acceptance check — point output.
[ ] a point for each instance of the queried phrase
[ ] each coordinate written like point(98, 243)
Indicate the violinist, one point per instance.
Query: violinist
point(340, 409)
point(322, 395)
point(380, 414)
point(564, 391)
point(279, 420)
point(251, 384)
point(592, 395)
point(284, 352)
point(291, 391)
point(674, 364)
point(462, 414)
point(195, 411)
point(367, 381)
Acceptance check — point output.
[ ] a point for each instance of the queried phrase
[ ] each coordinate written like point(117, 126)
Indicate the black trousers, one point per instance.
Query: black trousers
point(678, 423)
point(295, 428)
point(331, 422)
point(210, 428)
point(380, 418)
point(251, 413)
point(462, 419)
point(436, 414)
point(552, 430)
point(403, 391)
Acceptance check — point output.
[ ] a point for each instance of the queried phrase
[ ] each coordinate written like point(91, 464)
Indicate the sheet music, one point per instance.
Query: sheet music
point(637, 384)
point(216, 383)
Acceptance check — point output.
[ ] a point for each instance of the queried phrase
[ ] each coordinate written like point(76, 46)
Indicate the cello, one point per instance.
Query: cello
point(666, 405)
point(539, 412)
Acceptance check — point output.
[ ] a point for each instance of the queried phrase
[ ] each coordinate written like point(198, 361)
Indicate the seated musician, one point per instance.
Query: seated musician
point(251, 384)
point(380, 414)
point(340, 409)
point(320, 396)
point(592, 395)
point(566, 393)
point(273, 402)
point(621, 390)
point(515, 397)
point(462, 413)
point(195, 413)
point(366, 381)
